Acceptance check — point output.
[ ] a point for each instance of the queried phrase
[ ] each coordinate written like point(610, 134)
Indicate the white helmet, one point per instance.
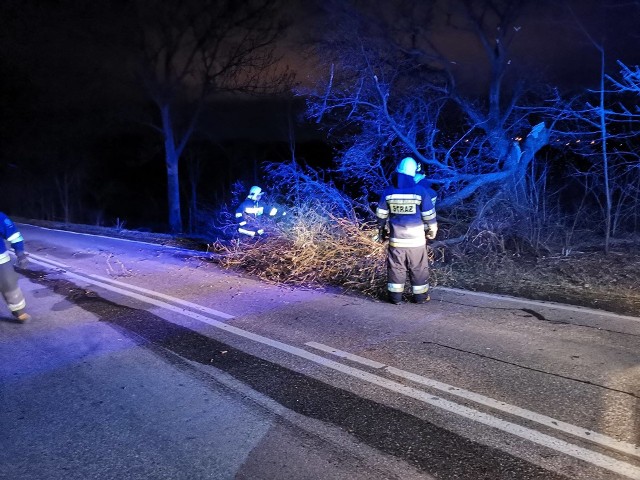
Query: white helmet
point(408, 166)
point(255, 193)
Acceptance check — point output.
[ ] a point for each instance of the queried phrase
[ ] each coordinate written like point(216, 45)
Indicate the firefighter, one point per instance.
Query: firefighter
point(408, 209)
point(11, 292)
point(250, 211)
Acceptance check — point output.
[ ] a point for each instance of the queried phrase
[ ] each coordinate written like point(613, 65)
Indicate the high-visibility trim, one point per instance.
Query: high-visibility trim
point(243, 223)
point(15, 238)
point(418, 289)
point(4, 257)
point(382, 213)
point(238, 215)
point(406, 201)
point(429, 215)
point(404, 197)
point(273, 211)
point(395, 287)
point(246, 232)
point(260, 231)
point(408, 242)
point(14, 307)
point(254, 210)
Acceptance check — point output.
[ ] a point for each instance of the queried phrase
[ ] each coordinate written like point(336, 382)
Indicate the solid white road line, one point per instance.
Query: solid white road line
point(47, 261)
point(195, 306)
point(550, 422)
point(540, 303)
point(595, 458)
point(106, 237)
point(179, 301)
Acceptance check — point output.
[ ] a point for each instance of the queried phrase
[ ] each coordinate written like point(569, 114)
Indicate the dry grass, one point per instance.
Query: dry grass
point(588, 278)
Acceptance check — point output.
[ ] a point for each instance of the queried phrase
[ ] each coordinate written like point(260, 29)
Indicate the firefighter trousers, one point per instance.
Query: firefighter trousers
point(413, 260)
point(9, 287)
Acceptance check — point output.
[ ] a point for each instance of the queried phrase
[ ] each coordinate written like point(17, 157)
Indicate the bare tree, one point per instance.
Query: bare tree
point(609, 123)
point(629, 81)
point(194, 51)
point(391, 89)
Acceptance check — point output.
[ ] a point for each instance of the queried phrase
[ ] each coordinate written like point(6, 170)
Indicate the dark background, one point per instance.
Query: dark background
point(75, 129)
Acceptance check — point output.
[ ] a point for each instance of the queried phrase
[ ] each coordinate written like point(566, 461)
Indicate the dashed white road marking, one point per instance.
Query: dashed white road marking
point(548, 441)
point(550, 422)
point(539, 303)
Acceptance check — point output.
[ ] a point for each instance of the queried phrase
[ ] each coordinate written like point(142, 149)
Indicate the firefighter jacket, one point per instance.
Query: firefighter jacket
point(11, 234)
point(248, 216)
point(409, 210)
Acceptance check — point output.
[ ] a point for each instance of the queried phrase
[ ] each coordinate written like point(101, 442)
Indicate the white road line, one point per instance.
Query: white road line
point(47, 261)
point(179, 301)
point(70, 232)
point(595, 458)
point(550, 422)
point(195, 306)
point(540, 303)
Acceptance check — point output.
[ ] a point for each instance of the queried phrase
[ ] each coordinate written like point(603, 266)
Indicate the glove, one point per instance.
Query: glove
point(382, 235)
point(22, 260)
point(431, 233)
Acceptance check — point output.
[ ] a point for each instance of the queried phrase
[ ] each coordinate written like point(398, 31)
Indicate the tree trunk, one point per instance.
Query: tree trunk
point(605, 159)
point(172, 160)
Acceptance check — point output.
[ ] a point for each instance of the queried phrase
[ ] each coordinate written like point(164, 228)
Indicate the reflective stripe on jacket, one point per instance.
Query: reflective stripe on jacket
point(247, 214)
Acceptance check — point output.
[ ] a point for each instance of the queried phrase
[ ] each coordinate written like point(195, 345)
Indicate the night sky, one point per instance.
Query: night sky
point(72, 108)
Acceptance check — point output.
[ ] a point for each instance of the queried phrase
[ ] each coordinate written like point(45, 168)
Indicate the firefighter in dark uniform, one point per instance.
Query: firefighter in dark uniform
point(11, 292)
point(250, 211)
point(408, 209)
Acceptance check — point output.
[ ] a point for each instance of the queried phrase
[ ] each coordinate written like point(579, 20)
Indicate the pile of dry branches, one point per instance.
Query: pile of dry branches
point(317, 249)
point(314, 250)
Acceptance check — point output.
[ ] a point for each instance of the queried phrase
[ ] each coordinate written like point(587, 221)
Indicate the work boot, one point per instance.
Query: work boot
point(21, 316)
point(395, 298)
point(421, 297)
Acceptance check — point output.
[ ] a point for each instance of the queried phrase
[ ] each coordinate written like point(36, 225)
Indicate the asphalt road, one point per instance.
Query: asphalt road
point(148, 362)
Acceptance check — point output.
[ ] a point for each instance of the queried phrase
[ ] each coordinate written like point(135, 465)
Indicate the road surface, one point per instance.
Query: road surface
point(143, 361)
